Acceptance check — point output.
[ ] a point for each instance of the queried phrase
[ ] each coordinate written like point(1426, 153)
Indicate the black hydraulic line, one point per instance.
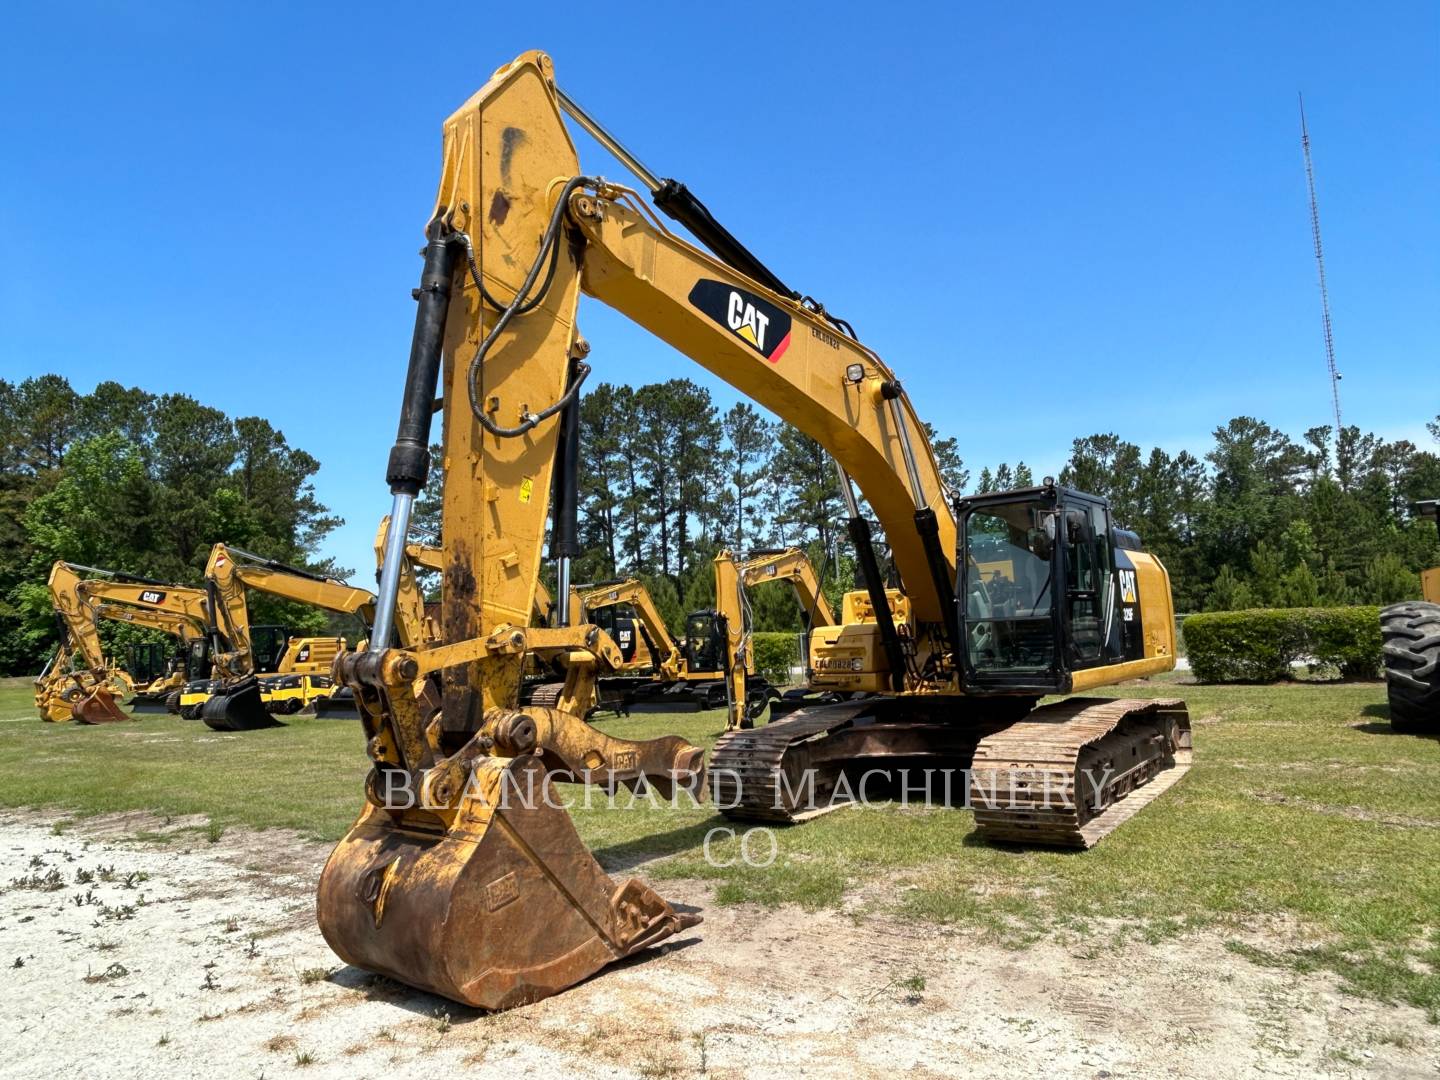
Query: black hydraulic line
point(928, 526)
point(860, 537)
point(676, 200)
point(275, 564)
point(409, 464)
point(565, 536)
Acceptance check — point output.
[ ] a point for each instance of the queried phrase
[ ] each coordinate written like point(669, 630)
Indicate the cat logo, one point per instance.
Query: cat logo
point(1127, 586)
point(150, 596)
point(303, 654)
point(753, 319)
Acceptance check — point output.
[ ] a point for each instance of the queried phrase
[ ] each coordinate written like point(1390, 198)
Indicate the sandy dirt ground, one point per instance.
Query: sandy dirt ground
point(192, 958)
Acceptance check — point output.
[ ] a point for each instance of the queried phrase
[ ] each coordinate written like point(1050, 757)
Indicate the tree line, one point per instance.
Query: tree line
point(141, 483)
point(1260, 520)
point(128, 480)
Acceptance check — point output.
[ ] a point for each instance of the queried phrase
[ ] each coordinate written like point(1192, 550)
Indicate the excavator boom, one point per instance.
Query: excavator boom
point(177, 610)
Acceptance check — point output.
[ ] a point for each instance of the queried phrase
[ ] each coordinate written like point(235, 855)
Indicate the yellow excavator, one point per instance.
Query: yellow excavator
point(160, 672)
point(711, 667)
point(463, 875)
point(792, 565)
point(245, 697)
point(87, 695)
point(176, 610)
point(1410, 633)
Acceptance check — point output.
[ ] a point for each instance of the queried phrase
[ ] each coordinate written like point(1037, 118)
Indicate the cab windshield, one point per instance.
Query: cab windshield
point(1008, 592)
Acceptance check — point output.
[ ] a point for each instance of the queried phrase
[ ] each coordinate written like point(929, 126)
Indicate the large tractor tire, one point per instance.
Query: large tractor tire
point(1411, 633)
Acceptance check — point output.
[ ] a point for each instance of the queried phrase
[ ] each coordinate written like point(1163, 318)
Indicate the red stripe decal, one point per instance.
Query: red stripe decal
point(774, 357)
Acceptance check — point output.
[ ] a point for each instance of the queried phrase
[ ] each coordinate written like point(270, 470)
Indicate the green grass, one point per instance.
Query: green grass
point(1303, 813)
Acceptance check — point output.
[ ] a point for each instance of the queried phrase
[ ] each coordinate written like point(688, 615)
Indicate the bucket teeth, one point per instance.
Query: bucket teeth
point(238, 707)
point(503, 907)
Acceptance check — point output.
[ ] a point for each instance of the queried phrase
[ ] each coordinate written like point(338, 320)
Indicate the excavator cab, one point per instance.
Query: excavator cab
point(705, 642)
point(268, 644)
point(1050, 589)
point(147, 661)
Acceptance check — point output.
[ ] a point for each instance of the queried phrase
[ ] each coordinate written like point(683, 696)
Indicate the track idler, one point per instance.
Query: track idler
point(494, 903)
point(237, 707)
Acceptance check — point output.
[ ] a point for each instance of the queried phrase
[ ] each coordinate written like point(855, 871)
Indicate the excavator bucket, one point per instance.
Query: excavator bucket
point(503, 908)
point(149, 705)
point(98, 707)
point(238, 707)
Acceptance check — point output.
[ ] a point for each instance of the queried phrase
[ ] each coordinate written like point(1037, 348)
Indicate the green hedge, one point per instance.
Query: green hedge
point(1260, 645)
point(775, 652)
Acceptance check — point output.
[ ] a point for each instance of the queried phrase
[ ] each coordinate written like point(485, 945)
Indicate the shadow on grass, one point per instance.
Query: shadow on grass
point(973, 839)
point(631, 853)
point(1382, 712)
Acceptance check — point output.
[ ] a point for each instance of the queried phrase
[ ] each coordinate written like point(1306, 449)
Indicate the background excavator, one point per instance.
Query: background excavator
point(710, 667)
point(713, 664)
point(249, 689)
point(1411, 649)
point(451, 881)
point(88, 694)
point(159, 671)
point(176, 610)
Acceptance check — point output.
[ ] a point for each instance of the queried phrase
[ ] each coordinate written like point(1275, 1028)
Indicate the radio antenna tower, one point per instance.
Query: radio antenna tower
point(1320, 263)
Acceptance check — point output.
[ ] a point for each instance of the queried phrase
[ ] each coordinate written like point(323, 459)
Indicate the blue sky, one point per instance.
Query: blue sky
point(1051, 219)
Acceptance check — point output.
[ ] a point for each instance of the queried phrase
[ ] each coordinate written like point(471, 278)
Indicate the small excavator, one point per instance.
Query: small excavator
point(87, 695)
point(1410, 633)
point(711, 667)
point(463, 875)
point(159, 671)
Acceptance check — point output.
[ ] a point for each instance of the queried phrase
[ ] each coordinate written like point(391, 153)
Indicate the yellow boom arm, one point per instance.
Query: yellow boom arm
point(665, 654)
point(791, 565)
point(231, 572)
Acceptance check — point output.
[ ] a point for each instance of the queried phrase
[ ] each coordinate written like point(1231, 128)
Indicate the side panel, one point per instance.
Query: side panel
point(1430, 585)
point(1157, 610)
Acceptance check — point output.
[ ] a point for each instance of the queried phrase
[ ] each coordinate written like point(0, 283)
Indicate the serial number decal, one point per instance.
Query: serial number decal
point(825, 336)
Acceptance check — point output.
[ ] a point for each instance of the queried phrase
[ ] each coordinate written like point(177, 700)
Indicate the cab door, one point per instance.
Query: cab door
point(1088, 557)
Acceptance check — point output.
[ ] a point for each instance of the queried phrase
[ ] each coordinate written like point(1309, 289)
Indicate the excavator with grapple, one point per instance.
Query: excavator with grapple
point(463, 874)
point(1410, 633)
point(87, 695)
